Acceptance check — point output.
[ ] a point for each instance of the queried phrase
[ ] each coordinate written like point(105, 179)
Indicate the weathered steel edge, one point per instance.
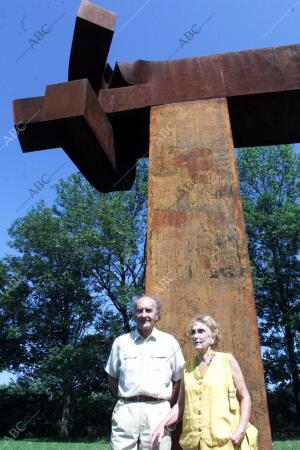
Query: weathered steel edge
point(97, 14)
point(142, 71)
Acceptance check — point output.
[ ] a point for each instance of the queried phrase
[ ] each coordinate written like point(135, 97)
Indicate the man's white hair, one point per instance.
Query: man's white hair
point(137, 297)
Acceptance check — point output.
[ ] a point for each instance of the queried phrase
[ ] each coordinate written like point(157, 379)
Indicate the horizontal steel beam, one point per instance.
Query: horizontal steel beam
point(217, 76)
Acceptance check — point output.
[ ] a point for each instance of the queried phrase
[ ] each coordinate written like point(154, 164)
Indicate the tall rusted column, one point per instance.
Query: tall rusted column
point(197, 251)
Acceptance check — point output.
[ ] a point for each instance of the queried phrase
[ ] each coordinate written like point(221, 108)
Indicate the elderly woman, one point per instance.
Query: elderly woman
point(213, 400)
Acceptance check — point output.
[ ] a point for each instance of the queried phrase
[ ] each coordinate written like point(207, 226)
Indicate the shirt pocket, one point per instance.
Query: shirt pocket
point(160, 360)
point(130, 360)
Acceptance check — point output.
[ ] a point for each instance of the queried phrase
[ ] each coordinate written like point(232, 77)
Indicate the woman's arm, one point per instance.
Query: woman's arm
point(244, 400)
point(173, 417)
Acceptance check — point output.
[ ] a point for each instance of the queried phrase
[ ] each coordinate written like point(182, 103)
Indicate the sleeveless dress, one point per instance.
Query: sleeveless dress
point(211, 410)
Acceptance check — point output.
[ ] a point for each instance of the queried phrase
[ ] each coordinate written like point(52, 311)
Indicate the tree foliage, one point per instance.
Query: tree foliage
point(66, 291)
point(270, 189)
point(12, 319)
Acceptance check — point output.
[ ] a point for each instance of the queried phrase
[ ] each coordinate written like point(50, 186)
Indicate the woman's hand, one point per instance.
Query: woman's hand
point(157, 436)
point(237, 436)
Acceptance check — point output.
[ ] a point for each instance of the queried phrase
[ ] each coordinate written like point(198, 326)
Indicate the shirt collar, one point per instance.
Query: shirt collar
point(136, 335)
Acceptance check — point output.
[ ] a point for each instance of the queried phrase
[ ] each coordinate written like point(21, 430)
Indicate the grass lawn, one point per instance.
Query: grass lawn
point(287, 445)
point(35, 444)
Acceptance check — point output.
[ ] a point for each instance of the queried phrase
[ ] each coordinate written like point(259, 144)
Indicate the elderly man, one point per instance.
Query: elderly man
point(144, 369)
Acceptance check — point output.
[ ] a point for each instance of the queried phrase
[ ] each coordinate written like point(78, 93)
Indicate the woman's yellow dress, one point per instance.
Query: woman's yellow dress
point(211, 410)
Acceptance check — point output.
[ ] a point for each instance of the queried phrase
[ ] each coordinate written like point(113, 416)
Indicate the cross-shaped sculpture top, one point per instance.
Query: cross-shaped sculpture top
point(100, 117)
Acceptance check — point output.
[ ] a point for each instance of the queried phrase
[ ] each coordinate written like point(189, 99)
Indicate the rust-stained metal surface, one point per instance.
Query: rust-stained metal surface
point(197, 249)
point(223, 75)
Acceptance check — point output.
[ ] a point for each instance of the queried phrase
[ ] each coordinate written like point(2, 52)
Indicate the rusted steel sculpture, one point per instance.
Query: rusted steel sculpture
point(107, 112)
point(202, 107)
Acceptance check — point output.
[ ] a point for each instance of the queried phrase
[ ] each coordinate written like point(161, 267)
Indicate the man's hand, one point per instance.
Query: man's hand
point(237, 436)
point(113, 384)
point(157, 436)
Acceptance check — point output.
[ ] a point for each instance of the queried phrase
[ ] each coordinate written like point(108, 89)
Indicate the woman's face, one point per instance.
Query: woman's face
point(202, 337)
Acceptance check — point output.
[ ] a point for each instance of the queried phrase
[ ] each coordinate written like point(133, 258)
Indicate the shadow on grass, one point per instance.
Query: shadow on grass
point(282, 437)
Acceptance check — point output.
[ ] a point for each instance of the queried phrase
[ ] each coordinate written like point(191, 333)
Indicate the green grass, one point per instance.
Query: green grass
point(35, 444)
point(287, 445)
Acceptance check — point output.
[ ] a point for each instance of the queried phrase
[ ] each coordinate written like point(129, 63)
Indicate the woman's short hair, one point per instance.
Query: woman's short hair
point(210, 322)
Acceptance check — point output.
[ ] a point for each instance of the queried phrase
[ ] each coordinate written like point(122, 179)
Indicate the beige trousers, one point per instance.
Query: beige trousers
point(134, 422)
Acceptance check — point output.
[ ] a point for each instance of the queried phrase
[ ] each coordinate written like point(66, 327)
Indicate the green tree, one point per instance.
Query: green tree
point(270, 188)
point(78, 264)
point(110, 238)
point(12, 323)
point(58, 307)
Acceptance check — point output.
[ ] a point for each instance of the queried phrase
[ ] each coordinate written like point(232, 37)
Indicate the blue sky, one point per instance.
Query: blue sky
point(145, 29)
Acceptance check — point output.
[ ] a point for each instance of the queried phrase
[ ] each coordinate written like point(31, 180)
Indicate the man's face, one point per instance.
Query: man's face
point(146, 315)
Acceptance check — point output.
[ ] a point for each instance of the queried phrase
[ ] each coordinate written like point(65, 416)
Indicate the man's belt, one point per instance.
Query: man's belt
point(142, 398)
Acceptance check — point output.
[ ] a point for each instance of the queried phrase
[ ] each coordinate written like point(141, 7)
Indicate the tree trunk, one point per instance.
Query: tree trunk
point(289, 339)
point(126, 320)
point(288, 332)
point(64, 426)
